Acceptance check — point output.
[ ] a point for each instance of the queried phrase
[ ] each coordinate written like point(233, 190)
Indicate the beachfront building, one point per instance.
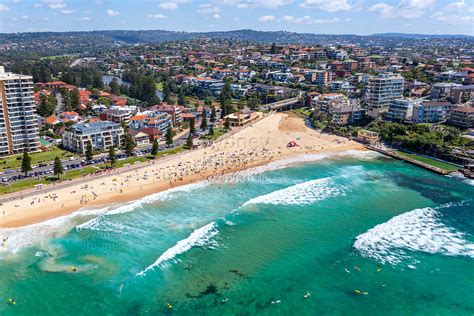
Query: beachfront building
point(401, 110)
point(173, 110)
point(325, 102)
point(347, 114)
point(367, 136)
point(462, 116)
point(18, 121)
point(431, 112)
point(151, 119)
point(102, 135)
point(243, 117)
point(382, 90)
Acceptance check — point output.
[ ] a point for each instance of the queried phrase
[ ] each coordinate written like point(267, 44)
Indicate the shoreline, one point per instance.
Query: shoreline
point(193, 166)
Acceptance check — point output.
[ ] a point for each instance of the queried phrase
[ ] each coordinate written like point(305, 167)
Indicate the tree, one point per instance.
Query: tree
point(208, 101)
point(166, 93)
point(213, 114)
point(189, 141)
point(181, 98)
point(114, 86)
point(204, 119)
point(211, 130)
point(75, 99)
point(129, 144)
point(112, 157)
point(274, 49)
point(192, 126)
point(227, 123)
point(225, 99)
point(89, 152)
point(169, 136)
point(47, 105)
point(58, 167)
point(154, 148)
point(26, 163)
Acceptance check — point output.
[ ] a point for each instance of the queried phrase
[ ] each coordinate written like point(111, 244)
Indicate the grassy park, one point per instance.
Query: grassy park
point(429, 161)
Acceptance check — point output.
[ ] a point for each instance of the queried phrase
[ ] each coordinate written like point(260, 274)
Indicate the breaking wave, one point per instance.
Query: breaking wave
point(200, 237)
point(300, 194)
point(420, 230)
point(100, 222)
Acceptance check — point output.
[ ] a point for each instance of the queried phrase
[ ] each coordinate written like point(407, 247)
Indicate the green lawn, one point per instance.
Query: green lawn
point(217, 133)
point(304, 111)
point(29, 183)
point(36, 158)
point(159, 86)
point(432, 162)
point(168, 152)
point(72, 174)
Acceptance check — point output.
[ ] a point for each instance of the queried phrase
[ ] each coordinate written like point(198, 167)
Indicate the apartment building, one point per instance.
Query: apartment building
point(431, 112)
point(102, 135)
point(401, 109)
point(151, 119)
point(382, 90)
point(462, 116)
point(18, 121)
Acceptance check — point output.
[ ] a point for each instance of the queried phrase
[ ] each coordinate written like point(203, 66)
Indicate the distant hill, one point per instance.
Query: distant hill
point(420, 36)
point(50, 43)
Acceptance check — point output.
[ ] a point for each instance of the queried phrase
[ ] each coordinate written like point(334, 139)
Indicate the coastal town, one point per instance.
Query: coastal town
point(236, 157)
point(130, 104)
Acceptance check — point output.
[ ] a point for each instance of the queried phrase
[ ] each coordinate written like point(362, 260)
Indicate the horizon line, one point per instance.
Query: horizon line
point(236, 30)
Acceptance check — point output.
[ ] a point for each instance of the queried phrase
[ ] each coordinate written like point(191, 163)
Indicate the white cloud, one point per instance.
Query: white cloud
point(455, 14)
point(66, 12)
point(46, 19)
point(168, 6)
point(235, 19)
point(244, 4)
point(327, 5)
point(156, 16)
point(4, 8)
point(406, 9)
point(266, 18)
point(111, 12)
point(55, 4)
point(14, 19)
point(25, 17)
point(37, 5)
point(85, 19)
point(208, 8)
point(216, 16)
point(308, 20)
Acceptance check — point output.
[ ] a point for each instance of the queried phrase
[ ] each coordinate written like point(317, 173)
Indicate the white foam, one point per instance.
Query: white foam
point(37, 234)
point(460, 176)
point(420, 230)
point(300, 194)
point(97, 222)
point(199, 237)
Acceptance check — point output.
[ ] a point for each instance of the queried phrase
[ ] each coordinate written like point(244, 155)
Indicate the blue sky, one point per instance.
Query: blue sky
point(313, 16)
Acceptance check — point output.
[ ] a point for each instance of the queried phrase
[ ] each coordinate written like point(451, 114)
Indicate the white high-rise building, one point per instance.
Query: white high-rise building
point(18, 121)
point(382, 90)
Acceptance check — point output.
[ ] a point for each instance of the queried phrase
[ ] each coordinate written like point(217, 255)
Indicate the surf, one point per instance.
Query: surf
point(420, 230)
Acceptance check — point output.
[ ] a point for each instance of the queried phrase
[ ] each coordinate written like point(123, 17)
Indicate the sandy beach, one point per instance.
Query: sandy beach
point(254, 145)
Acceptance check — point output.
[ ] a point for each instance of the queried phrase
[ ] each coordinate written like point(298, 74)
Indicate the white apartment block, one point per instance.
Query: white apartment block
point(382, 90)
point(18, 121)
point(401, 110)
point(102, 135)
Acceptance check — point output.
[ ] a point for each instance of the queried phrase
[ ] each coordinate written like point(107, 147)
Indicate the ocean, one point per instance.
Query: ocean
point(344, 234)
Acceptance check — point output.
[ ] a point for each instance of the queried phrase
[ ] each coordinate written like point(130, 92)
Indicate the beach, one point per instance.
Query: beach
point(257, 144)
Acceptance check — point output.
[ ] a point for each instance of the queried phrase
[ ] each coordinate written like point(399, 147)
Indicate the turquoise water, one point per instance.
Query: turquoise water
point(279, 240)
